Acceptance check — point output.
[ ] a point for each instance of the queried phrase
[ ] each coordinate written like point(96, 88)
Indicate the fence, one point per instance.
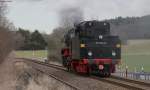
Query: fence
point(134, 75)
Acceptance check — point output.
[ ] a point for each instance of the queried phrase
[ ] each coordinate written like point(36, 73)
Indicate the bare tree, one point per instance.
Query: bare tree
point(6, 36)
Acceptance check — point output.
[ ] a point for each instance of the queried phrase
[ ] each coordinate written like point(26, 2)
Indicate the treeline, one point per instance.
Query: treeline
point(31, 40)
point(131, 27)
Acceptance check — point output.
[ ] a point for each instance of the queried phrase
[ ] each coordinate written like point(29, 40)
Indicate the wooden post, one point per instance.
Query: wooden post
point(126, 71)
point(142, 68)
point(33, 53)
point(134, 75)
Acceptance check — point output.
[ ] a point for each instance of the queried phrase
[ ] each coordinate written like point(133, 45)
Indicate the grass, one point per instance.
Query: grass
point(32, 54)
point(136, 55)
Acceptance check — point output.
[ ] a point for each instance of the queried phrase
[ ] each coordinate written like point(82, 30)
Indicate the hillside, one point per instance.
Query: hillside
point(131, 27)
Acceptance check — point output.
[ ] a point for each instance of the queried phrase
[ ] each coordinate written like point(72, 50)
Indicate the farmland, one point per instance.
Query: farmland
point(32, 54)
point(136, 55)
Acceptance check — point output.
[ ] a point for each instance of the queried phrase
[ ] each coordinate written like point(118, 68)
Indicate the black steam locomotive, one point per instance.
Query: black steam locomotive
point(90, 48)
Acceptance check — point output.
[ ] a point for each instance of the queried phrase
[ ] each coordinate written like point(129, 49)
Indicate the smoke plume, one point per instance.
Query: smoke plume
point(70, 16)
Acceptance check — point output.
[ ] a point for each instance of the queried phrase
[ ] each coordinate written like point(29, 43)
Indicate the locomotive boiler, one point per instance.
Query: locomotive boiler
point(90, 48)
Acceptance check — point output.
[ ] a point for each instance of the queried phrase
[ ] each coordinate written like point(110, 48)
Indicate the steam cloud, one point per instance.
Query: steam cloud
point(70, 16)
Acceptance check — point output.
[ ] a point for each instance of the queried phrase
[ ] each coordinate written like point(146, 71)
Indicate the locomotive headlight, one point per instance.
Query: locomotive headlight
point(100, 36)
point(118, 45)
point(113, 53)
point(105, 24)
point(90, 53)
point(82, 45)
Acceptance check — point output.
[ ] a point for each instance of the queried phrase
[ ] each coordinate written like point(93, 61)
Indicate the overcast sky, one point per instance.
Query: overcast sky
point(43, 14)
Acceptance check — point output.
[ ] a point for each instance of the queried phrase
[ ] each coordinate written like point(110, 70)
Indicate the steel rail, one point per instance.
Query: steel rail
point(50, 74)
point(60, 80)
point(122, 83)
point(131, 80)
point(115, 80)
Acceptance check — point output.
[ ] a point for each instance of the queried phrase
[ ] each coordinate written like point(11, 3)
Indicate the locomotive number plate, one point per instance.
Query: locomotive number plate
point(101, 42)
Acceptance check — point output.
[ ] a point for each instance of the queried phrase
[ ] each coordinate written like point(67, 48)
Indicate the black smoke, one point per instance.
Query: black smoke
point(70, 16)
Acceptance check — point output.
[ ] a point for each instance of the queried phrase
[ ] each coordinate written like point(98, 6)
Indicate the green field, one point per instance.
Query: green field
point(32, 54)
point(135, 55)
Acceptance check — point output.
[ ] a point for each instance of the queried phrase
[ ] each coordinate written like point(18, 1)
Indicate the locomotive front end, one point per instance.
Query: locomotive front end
point(98, 48)
point(101, 55)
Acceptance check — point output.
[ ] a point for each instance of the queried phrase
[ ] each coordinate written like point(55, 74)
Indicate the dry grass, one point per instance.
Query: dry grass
point(30, 79)
point(46, 83)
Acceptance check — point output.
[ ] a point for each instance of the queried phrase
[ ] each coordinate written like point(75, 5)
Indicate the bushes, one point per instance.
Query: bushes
point(55, 44)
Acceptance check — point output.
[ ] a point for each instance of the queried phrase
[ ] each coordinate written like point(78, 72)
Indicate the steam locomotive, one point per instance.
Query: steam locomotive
point(90, 48)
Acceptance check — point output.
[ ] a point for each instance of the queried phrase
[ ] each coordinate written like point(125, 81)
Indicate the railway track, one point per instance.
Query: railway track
point(126, 83)
point(62, 81)
point(50, 74)
point(119, 81)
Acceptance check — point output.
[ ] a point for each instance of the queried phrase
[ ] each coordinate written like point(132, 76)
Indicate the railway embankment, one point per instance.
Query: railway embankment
point(17, 75)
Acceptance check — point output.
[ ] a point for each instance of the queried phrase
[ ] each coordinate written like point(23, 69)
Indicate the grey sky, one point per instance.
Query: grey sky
point(43, 14)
